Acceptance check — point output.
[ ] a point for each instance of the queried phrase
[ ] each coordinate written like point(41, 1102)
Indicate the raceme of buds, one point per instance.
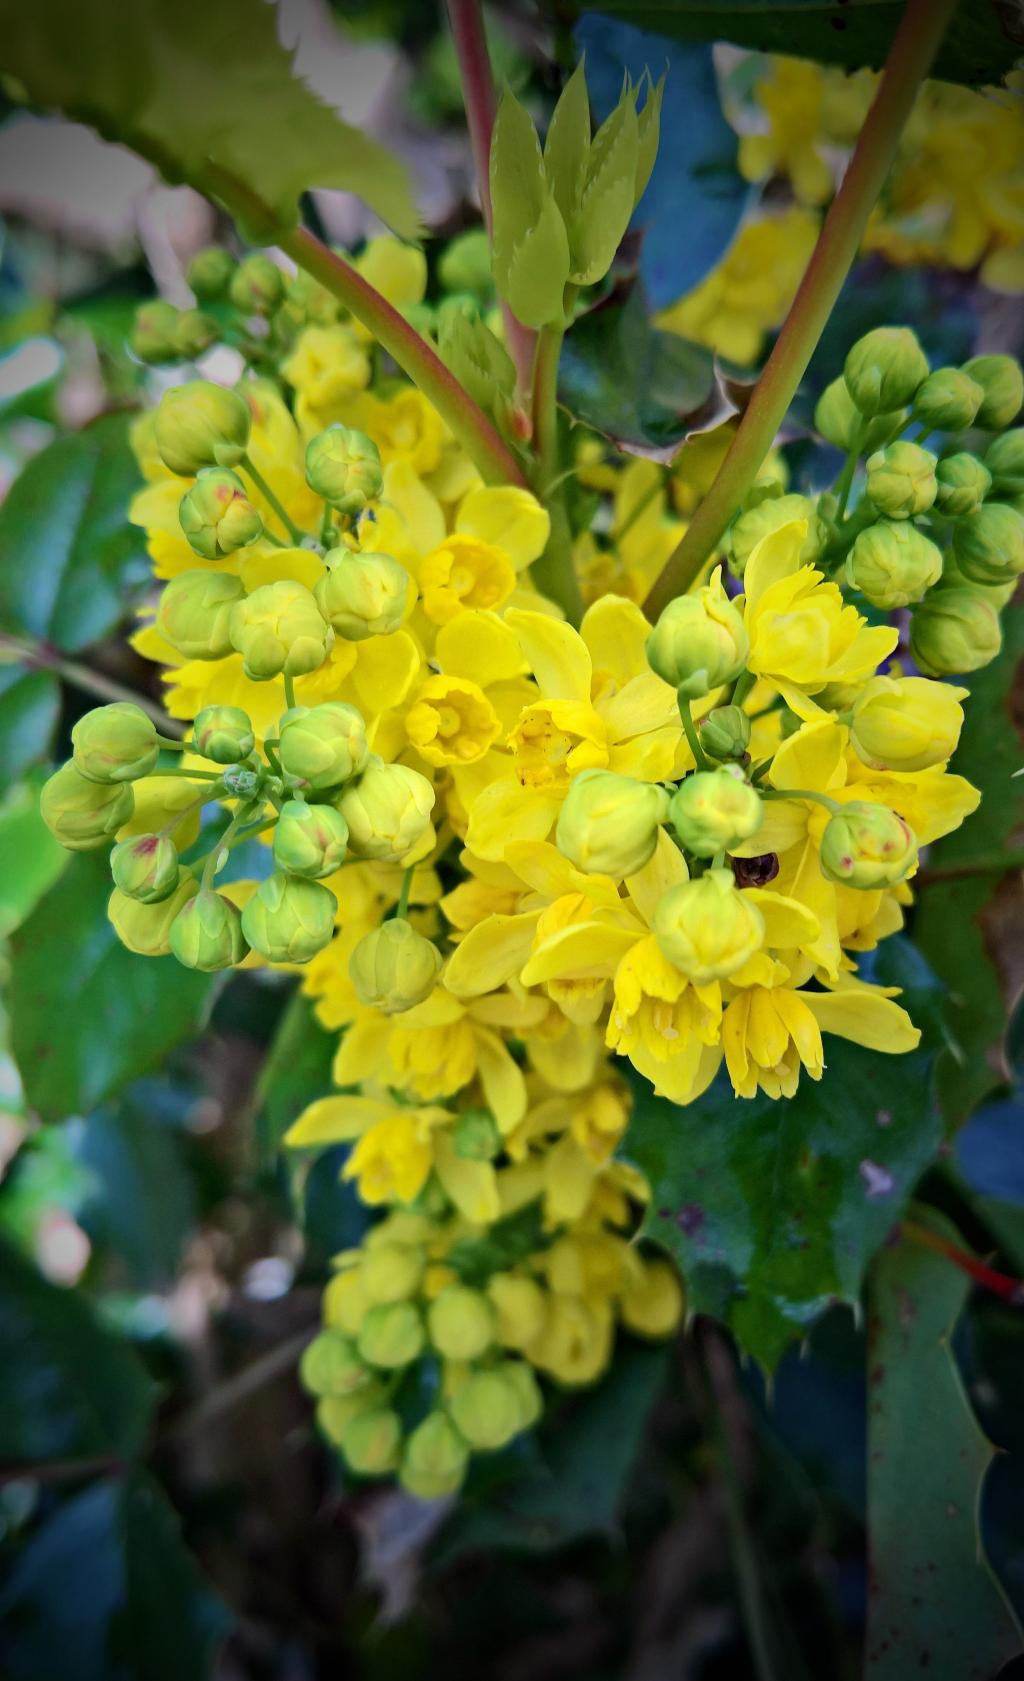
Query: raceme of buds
point(115, 743)
point(195, 613)
point(713, 811)
point(201, 425)
point(901, 480)
point(840, 422)
point(725, 732)
point(209, 272)
point(257, 285)
point(391, 1335)
point(954, 630)
point(707, 927)
point(892, 563)
point(145, 867)
point(391, 1272)
point(867, 846)
point(1001, 380)
point(435, 1458)
point(699, 642)
point(988, 545)
point(83, 814)
point(207, 933)
point(393, 967)
point(948, 401)
point(487, 1409)
point(216, 514)
point(961, 483)
point(288, 919)
point(146, 929)
point(387, 811)
point(768, 516)
point(363, 595)
point(343, 466)
point(310, 840)
point(223, 734)
point(371, 1442)
point(906, 723)
point(323, 746)
point(279, 629)
point(330, 1366)
point(884, 369)
point(460, 1322)
point(608, 824)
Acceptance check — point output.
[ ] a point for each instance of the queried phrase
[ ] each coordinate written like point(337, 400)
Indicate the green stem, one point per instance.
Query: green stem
point(914, 46)
point(741, 689)
point(641, 506)
point(173, 743)
point(211, 863)
point(554, 573)
point(844, 484)
point(690, 731)
point(831, 806)
point(186, 811)
point(289, 690)
point(294, 531)
point(402, 908)
point(193, 775)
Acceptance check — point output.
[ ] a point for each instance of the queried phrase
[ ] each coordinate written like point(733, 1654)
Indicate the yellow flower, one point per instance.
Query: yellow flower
point(770, 1033)
point(791, 96)
point(451, 721)
point(327, 367)
point(394, 1151)
point(406, 428)
point(749, 291)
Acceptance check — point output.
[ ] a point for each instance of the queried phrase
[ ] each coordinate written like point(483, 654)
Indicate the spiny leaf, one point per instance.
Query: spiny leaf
point(538, 269)
point(567, 145)
point(609, 194)
point(518, 185)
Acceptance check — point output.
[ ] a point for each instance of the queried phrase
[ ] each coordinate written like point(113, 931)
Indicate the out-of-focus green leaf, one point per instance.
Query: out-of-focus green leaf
point(88, 1016)
point(934, 1606)
point(68, 1388)
point(143, 1203)
point(30, 859)
point(29, 710)
point(106, 1591)
point(196, 89)
point(773, 1209)
point(69, 558)
point(296, 1071)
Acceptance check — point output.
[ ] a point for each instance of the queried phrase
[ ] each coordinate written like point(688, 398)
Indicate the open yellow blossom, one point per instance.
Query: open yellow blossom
point(406, 428)
point(327, 367)
point(770, 1033)
point(748, 292)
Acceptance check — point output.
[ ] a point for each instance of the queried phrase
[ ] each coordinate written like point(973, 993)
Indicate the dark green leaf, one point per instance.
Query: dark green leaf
point(774, 1209)
point(507, 1242)
point(934, 1606)
point(29, 710)
point(143, 1205)
point(68, 1388)
point(297, 1071)
point(30, 859)
point(68, 555)
point(87, 1016)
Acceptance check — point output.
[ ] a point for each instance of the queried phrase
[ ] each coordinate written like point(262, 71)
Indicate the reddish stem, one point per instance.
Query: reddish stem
point(1010, 1290)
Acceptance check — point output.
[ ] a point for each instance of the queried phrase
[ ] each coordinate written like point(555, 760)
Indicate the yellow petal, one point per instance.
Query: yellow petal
point(384, 672)
point(363, 1052)
point(479, 645)
point(557, 655)
point(774, 557)
point(511, 519)
point(664, 869)
point(271, 566)
point(616, 632)
point(335, 1120)
point(865, 1018)
point(490, 954)
point(502, 1080)
point(569, 1062)
point(811, 758)
point(506, 812)
point(581, 949)
point(471, 1185)
point(786, 921)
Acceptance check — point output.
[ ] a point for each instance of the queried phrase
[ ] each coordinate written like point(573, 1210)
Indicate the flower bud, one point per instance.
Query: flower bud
point(371, 1442)
point(83, 814)
point(1001, 380)
point(387, 811)
point(768, 516)
point(391, 1272)
point(715, 810)
point(840, 422)
point(988, 545)
point(725, 732)
point(195, 613)
point(152, 337)
point(884, 369)
point(201, 425)
point(906, 723)
point(531, 1402)
point(343, 466)
point(310, 840)
point(209, 273)
point(1004, 459)
point(194, 333)
point(223, 734)
point(257, 285)
point(520, 1305)
point(901, 480)
point(115, 743)
point(948, 400)
point(345, 1302)
point(279, 629)
point(487, 1409)
point(216, 515)
point(475, 1136)
point(961, 483)
point(393, 967)
point(652, 1299)
point(146, 929)
point(867, 846)
point(330, 1366)
point(955, 630)
point(323, 746)
point(465, 265)
point(893, 563)
point(460, 1322)
point(145, 867)
point(435, 1459)
point(288, 919)
point(207, 933)
point(363, 595)
point(699, 642)
point(391, 1335)
point(707, 927)
point(608, 824)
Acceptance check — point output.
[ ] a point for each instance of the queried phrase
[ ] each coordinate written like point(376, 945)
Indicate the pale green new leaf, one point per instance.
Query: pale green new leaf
point(539, 269)
point(609, 194)
point(648, 131)
point(518, 185)
point(567, 147)
point(200, 89)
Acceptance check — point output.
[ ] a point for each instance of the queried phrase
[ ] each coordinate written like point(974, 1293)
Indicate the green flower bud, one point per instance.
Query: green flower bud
point(948, 400)
point(475, 1136)
point(257, 285)
point(333, 1412)
point(343, 466)
point(989, 544)
point(288, 920)
point(715, 810)
point(83, 814)
point(387, 811)
point(906, 723)
point(487, 1409)
point(223, 734)
point(195, 613)
point(725, 732)
point(747, 531)
point(207, 934)
point(194, 333)
point(201, 425)
point(465, 265)
point(901, 480)
point(1004, 459)
point(521, 1307)
point(153, 335)
point(330, 1366)
point(707, 927)
point(363, 595)
point(391, 1335)
point(961, 483)
point(323, 745)
point(146, 929)
point(310, 840)
point(145, 867)
point(393, 967)
point(840, 422)
point(217, 516)
point(893, 563)
point(460, 1322)
point(954, 630)
point(435, 1459)
point(209, 273)
point(700, 641)
point(608, 824)
point(1001, 380)
point(371, 1442)
point(884, 370)
point(531, 1403)
point(391, 1272)
point(279, 628)
point(115, 743)
point(867, 846)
